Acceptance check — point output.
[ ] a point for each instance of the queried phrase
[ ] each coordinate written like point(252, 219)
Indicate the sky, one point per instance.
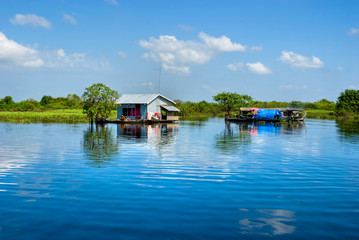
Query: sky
point(271, 50)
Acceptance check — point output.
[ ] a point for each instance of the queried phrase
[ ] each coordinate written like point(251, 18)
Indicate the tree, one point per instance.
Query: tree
point(348, 101)
point(98, 101)
point(45, 100)
point(231, 101)
point(73, 101)
point(6, 100)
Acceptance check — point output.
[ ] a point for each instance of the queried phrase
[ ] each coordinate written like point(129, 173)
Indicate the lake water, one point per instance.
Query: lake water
point(194, 180)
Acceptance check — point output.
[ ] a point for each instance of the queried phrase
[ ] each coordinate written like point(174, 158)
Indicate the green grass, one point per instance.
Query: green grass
point(52, 116)
point(320, 114)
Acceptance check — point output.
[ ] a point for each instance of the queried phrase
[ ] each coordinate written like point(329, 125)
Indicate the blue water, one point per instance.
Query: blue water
point(195, 180)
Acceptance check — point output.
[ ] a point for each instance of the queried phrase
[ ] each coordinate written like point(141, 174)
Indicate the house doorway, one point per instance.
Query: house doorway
point(138, 111)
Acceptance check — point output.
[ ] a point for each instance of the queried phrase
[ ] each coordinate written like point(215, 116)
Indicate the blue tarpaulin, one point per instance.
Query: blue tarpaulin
point(264, 114)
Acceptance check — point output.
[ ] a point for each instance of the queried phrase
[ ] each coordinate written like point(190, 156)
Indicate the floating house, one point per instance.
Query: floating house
point(146, 107)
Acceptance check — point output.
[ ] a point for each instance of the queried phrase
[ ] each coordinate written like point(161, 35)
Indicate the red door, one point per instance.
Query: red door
point(138, 111)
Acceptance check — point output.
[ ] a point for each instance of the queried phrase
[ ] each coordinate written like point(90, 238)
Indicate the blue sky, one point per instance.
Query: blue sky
point(281, 50)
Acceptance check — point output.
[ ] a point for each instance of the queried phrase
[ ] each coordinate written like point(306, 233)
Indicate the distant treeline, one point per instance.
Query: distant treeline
point(203, 107)
point(72, 101)
point(347, 104)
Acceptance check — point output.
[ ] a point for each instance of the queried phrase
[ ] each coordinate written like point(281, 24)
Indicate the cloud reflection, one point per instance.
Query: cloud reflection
point(270, 222)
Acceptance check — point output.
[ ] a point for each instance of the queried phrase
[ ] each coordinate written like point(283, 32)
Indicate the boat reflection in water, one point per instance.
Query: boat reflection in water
point(266, 128)
point(236, 136)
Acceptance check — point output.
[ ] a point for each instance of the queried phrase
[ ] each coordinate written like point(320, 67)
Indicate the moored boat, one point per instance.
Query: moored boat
point(269, 115)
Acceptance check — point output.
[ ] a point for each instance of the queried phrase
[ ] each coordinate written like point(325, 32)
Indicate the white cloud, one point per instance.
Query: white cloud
point(353, 32)
point(12, 53)
point(340, 68)
point(236, 66)
point(122, 54)
point(175, 69)
point(185, 27)
point(70, 19)
point(30, 19)
point(258, 68)
point(61, 52)
point(222, 44)
point(176, 55)
point(300, 61)
point(59, 59)
point(256, 49)
point(113, 2)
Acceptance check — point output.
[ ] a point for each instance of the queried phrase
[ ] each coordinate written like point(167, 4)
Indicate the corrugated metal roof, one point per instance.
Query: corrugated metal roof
point(139, 98)
point(170, 108)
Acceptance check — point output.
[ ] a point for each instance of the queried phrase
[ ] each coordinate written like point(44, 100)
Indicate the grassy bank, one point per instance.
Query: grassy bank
point(51, 116)
point(58, 116)
point(320, 114)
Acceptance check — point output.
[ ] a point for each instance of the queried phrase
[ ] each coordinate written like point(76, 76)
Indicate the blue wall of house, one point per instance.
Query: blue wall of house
point(143, 110)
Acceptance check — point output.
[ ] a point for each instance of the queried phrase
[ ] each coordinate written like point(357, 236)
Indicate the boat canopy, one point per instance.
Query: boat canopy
point(265, 114)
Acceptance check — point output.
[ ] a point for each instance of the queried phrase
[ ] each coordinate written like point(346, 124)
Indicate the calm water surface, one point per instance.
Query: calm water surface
point(195, 180)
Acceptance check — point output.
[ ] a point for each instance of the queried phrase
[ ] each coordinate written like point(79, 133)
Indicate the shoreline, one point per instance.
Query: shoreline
point(77, 116)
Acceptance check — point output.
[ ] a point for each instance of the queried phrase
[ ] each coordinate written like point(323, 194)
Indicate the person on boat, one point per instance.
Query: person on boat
point(123, 118)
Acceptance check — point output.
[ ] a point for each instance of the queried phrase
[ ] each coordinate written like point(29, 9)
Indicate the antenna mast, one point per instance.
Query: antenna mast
point(159, 78)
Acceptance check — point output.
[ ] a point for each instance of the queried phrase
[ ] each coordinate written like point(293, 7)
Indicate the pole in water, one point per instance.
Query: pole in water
point(159, 78)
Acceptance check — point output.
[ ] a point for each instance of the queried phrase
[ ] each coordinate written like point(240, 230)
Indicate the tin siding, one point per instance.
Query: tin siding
point(143, 111)
point(155, 105)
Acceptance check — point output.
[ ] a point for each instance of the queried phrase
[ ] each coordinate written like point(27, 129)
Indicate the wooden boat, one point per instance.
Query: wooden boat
point(276, 115)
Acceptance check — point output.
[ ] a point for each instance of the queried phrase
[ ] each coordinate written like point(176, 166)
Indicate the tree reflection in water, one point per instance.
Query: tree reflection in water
point(100, 146)
point(233, 138)
point(348, 130)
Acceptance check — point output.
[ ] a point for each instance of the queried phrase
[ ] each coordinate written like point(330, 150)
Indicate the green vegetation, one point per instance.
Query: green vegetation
point(232, 101)
point(70, 109)
point(72, 101)
point(320, 114)
point(99, 101)
point(322, 109)
point(348, 103)
point(48, 116)
point(60, 116)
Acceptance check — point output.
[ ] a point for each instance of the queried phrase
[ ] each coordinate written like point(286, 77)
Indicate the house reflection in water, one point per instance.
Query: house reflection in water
point(161, 133)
